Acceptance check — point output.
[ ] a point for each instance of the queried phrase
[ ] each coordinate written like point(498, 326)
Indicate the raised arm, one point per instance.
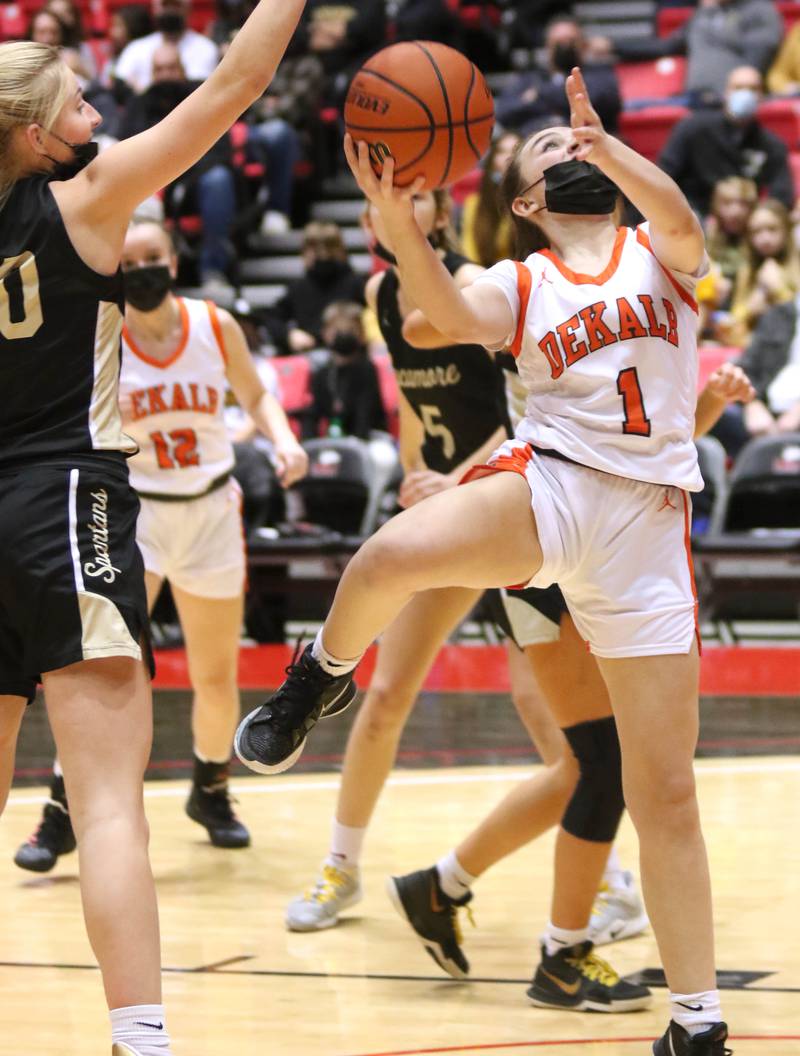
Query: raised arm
point(123, 176)
point(480, 314)
point(675, 232)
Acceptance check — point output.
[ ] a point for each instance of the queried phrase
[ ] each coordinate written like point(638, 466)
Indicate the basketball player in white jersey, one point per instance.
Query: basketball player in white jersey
point(179, 357)
point(593, 494)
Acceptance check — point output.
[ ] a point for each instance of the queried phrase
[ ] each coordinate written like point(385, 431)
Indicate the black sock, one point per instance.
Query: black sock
point(209, 776)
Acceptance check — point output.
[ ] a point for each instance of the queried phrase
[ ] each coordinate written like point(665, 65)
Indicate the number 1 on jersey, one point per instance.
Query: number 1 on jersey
point(636, 420)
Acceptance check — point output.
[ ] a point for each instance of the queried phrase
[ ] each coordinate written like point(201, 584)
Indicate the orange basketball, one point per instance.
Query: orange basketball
point(425, 105)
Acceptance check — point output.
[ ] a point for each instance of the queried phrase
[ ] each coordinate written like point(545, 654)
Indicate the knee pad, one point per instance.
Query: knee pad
point(597, 803)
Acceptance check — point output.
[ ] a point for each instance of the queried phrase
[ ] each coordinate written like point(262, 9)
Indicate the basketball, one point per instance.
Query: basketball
point(425, 105)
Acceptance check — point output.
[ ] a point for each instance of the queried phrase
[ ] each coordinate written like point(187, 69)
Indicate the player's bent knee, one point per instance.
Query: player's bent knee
point(385, 706)
point(594, 811)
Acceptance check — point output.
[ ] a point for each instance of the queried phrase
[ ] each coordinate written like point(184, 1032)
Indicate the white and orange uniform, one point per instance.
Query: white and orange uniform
point(189, 529)
point(610, 366)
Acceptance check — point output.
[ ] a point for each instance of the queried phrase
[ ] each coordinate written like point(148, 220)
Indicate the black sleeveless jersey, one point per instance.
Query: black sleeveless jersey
point(457, 392)
point(60, 325)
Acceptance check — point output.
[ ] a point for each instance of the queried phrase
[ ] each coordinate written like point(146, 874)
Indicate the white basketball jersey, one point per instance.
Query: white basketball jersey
point(609, 361)
point(174, 409)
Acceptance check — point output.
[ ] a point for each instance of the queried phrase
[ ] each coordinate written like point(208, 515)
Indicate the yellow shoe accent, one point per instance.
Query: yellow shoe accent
point(595, 968)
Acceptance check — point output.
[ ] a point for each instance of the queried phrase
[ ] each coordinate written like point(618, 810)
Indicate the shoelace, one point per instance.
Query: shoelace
point(455, 920)
point(288, 703)
point(594, 968)
point(220, 801)
point(327, 887)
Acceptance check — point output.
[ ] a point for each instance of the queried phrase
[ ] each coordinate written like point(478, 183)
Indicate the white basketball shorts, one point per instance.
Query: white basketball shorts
point(197, 544)
point(618, 548)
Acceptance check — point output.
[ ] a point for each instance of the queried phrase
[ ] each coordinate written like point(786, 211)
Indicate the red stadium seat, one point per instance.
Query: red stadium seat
point(789, 12)
point(467, 185)
point(794, 165)
point(13, 21)
point(711, 357)
point(294, 379)
point(782, 116)
point(647, 130)
point(651, 80)
point(671, 18)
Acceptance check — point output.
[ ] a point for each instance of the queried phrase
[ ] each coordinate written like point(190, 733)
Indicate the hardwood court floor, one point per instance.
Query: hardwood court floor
point(238, 984)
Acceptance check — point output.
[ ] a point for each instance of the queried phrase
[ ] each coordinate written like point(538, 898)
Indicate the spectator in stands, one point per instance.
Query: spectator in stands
point(127, 23)
point(425, 20)
point(486, 232)
point(732, 201)
point(784, 74)
point(539, 92)
point(770, 274)
point(772, 361)
point(210, 181)
point(74, 35)
point(721, 36)
point(231, 16)
point(709, 145)
point(341, 36)
point(345, 388)
point(46, 27)
point(198, 54)
point(296, 320)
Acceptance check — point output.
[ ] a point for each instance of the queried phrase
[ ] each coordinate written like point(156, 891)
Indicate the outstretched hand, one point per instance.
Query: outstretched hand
point(381, 191)
point(583, 118)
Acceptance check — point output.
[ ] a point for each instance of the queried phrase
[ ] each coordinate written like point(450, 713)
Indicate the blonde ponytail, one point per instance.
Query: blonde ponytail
point(33, 89)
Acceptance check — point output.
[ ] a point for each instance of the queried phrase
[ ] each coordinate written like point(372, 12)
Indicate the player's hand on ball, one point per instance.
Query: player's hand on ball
point(291, 463)
point(583, 118)
point(381, 191)
point(730, 383)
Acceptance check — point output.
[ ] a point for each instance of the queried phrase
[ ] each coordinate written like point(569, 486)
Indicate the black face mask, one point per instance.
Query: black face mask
point(171, 22)
point(327, 270)
point(145, 288)
point(565, 57)
point(82, 155)
point(346, 344)
point(579, 188)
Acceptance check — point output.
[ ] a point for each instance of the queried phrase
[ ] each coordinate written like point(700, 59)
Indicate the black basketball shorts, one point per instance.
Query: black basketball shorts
point(71, 575)
point(531, 616)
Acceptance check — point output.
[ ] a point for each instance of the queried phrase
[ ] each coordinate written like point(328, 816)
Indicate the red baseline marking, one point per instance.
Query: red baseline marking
point(725, 671)
point(567, 1041)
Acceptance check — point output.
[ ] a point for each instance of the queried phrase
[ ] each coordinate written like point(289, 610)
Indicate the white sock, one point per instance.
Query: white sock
point(332, 664)
point(556, 939)
point(346, 842)
point(142, 1027)
point(614, 875)
point(454, 879)
point(57, 771)
point(696, 1012)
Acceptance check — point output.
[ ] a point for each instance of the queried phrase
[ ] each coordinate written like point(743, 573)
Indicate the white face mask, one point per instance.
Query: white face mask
point(743, 103)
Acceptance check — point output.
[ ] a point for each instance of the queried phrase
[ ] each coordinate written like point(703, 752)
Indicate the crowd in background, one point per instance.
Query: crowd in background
point(735, 173)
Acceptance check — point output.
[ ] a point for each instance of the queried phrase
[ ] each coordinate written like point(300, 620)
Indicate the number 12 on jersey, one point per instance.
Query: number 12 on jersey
point(176, 449)
point(636, 421)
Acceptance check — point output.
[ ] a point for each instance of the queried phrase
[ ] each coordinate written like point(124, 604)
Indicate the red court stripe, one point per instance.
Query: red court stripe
point(725, 671)
point(563, 1041)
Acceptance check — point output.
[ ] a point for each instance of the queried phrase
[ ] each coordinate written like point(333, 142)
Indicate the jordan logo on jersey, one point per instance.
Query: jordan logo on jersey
point(595, 327)
point(98, 526)
point(158, 399)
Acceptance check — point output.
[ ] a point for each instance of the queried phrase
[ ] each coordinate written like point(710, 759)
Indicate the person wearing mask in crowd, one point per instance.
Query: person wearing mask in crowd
point(539, 92)
point(732, 201)
point(345, 389)
point(199, 55)
point(772, 361)
point(486, 232)
point(770, 272)
point(705, 147)
point(295, 321)
point(341, 36)
point(189, 528)
point(211, 180)
point(128, 23)
point(720, 36)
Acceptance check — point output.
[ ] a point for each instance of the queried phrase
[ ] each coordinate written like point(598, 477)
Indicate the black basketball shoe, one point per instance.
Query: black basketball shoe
point(678, 1042)
point(209, 804)
point(271, 738)
point(576, 979)
point(53, 837)
point(418, 897)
